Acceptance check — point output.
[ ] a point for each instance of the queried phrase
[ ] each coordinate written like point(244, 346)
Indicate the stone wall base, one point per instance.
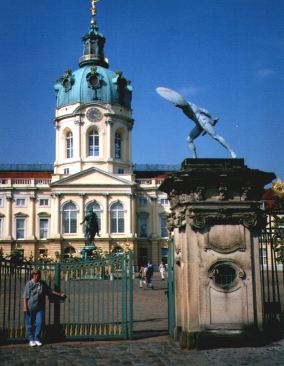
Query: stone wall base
point(223, 339)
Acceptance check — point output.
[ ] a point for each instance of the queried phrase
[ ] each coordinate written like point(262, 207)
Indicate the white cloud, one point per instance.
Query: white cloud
point(264, 73)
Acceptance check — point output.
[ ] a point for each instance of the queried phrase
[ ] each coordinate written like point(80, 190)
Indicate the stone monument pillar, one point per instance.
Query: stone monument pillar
point(215, 219)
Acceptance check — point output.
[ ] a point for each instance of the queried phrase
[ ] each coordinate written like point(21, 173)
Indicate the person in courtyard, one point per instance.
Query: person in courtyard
point(34, 306)
point(162, 270)
point(149, 274)
point(141, 276)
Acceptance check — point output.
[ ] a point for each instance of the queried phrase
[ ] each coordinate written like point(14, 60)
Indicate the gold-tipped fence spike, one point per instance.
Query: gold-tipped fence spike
point(22, 331)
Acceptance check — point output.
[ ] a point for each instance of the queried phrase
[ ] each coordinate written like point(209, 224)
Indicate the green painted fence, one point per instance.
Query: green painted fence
point(99, 300)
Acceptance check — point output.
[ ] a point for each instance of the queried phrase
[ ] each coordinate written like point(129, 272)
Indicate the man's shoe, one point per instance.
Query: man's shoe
point(38, 343)
point(32, 343)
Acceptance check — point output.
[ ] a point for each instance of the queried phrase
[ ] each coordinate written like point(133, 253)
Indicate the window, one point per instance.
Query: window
point(164, 201)
point(94, 143)
point(69, 145)
point(117, 145)
point(68, 252)
point(224, 275)
point(20, 202)
point(163, 223)
point(1, 202)
point(69, 218)
point(95, 207)
point(43, 228)
point(117, 218)
point(143, 225)
point(44, 202)
point(263, 256)
point(20, 228)
point(66, 171)
point(142, 201)
point(120, 171)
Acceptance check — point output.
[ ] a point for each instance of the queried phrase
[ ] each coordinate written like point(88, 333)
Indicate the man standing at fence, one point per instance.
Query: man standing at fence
point(34, 306)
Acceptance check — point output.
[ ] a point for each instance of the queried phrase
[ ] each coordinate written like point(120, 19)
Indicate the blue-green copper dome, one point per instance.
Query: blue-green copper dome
point(93, 81)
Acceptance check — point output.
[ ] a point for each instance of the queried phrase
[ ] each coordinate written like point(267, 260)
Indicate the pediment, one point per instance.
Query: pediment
point(92, 177)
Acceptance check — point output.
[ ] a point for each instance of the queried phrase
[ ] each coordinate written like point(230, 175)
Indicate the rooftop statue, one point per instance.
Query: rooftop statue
point(201, 117)
point(91, 227)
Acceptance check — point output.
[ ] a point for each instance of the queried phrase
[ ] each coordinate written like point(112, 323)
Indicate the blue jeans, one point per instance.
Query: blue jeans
point(37, 318)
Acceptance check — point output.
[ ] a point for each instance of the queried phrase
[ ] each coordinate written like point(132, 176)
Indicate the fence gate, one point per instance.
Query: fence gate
point(271, 246)
point(99, 300)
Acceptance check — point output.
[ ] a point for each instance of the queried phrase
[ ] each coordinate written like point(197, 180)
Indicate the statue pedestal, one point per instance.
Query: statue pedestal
point(216, 217)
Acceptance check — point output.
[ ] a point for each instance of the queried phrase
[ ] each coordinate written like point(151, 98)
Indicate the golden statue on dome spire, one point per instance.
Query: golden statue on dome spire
point(94, 11)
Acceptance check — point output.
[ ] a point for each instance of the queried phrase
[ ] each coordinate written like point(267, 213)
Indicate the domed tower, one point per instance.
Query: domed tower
point(93, 116)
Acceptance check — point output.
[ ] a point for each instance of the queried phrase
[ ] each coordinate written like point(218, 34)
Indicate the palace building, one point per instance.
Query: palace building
point(42, 206)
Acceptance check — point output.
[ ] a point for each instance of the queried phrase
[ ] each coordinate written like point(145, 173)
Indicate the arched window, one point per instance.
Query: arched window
point(117, 145)
point(69, 144)
point(94, 143)
point(69, 218)
point(117, 218)
point(95, 207)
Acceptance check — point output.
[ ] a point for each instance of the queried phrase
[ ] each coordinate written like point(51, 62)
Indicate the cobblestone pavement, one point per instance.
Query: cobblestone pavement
point(157, 351)
point(150, 317)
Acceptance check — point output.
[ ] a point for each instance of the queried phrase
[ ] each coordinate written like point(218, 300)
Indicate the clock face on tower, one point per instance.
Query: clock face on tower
point(94, 114)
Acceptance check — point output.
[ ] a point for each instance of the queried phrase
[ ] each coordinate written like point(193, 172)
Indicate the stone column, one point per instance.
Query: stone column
point(215, 219)
point(8, 231)
point(106, 218)
point(133, 214)
point(79, 152)
point(58, 156)
point(32, 218)
point(56, 216)
point(109, 140)
point(154, 215)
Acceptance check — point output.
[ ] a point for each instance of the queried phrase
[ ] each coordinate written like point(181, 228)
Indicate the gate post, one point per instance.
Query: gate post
point(215, 219)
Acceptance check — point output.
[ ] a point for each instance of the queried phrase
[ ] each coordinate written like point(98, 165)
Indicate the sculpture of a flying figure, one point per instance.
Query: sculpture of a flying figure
point(201, 117)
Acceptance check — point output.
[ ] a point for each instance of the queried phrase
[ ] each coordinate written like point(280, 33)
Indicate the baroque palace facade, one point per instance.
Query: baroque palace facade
point(42, 207)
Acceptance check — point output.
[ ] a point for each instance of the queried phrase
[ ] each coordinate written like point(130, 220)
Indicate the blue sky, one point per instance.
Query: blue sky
point(224, 55)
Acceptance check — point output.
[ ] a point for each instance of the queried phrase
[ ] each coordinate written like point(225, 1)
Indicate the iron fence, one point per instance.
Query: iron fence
point(271, 245)
point(99, 300)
